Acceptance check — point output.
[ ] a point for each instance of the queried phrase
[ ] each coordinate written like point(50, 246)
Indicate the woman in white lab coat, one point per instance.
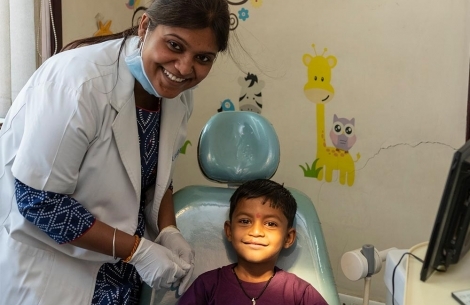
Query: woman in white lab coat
point(87, 153)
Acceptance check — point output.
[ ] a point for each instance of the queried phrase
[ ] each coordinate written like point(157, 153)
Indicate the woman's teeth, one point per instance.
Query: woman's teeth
point(172, 77)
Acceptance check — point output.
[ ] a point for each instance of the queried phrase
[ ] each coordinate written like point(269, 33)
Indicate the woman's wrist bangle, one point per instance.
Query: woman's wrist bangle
point(136, 244)
point(114, 244)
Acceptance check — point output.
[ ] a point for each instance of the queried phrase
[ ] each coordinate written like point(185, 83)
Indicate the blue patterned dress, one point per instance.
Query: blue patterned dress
point(64, 219)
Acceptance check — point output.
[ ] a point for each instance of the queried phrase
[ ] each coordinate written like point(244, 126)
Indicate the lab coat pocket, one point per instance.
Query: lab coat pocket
point(25, 271)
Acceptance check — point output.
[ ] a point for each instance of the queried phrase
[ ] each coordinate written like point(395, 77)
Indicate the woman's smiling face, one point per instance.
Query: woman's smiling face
point(176, 59)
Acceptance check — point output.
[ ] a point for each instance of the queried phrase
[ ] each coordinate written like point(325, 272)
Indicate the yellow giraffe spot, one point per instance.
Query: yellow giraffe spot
point(103, 29)
point(256, 3)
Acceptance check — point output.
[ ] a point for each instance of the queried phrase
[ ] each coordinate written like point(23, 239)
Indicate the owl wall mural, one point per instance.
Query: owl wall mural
point(342, 133)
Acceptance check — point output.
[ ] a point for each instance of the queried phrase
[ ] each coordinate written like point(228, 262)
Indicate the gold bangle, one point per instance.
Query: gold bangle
point(136, 244)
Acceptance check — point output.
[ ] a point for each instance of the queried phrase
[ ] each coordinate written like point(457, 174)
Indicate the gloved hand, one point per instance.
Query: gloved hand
point(171, 238)
point(157, 265)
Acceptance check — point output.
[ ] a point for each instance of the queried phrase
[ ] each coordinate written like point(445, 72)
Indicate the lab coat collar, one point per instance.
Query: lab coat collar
point(124, 89)
point(125, 124)
point(173, 112)
point(127, 141)
point(172, 128)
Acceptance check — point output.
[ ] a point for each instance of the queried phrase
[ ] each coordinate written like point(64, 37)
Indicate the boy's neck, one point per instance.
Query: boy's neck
point(254, 273)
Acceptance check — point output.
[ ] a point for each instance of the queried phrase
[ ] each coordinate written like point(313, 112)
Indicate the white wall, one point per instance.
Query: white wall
point(402, 73)
point(79, 17)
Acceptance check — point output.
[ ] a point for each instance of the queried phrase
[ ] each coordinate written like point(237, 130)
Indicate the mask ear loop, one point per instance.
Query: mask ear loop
point(145, 37)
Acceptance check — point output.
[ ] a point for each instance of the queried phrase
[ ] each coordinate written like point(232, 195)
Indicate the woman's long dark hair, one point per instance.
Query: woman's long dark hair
point(189, 14)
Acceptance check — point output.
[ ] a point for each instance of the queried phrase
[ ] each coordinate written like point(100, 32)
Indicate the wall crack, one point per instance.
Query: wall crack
point(405, 144)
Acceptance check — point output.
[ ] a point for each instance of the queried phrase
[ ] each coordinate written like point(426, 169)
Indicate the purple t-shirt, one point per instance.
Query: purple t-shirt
point(220, 287)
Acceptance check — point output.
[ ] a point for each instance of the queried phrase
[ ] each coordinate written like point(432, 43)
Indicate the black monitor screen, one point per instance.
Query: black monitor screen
point(450, 237)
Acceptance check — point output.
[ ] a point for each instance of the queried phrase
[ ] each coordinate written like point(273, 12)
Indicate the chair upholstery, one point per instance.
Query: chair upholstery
point(235, 147)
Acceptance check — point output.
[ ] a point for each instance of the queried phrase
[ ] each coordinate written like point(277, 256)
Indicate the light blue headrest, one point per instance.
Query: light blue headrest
point(237, 146)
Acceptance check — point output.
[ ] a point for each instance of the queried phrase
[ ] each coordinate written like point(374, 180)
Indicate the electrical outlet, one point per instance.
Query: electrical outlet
point(345, 299)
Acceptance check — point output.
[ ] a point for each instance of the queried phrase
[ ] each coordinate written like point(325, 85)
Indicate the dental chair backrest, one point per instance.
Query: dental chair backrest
point(235, 147)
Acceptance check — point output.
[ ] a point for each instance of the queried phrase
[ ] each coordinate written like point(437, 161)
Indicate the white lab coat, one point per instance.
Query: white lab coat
point(73, 130)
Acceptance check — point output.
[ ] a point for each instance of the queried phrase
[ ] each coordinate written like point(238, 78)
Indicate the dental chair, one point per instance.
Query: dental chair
point(235, 147)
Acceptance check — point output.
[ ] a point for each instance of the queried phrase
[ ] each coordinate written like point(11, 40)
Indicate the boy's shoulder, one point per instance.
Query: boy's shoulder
point(299, 287)
point(216, 273)
point(290, 276)
point(291, 281)
point(206, 286)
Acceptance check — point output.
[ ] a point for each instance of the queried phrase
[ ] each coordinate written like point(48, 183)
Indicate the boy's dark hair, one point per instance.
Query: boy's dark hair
point(274, 193)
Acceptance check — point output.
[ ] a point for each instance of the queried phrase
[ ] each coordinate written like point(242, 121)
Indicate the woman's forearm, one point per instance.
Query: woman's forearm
point(166, 213)
point(88, 233)
point(99, 238)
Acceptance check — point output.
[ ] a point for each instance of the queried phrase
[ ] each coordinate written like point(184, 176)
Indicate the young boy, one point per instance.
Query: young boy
point(261, 224)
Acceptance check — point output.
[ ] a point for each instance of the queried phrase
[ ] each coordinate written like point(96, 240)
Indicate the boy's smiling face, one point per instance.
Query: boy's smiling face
point(258, 232)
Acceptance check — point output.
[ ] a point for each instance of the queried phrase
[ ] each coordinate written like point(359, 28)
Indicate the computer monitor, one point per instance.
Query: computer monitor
point(450, 237)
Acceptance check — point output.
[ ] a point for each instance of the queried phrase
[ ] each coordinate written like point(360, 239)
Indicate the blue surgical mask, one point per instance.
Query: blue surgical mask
point(136, 66)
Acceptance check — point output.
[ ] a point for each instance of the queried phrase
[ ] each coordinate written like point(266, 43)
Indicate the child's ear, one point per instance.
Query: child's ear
point(228, 230)
point(290, 238)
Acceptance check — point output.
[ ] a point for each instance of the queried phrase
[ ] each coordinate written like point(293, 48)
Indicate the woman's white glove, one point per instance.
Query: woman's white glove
point(171, 238)
point(157, 265)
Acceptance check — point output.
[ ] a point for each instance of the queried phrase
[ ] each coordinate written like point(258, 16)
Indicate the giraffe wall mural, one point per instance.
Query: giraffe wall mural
point(319, 91)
